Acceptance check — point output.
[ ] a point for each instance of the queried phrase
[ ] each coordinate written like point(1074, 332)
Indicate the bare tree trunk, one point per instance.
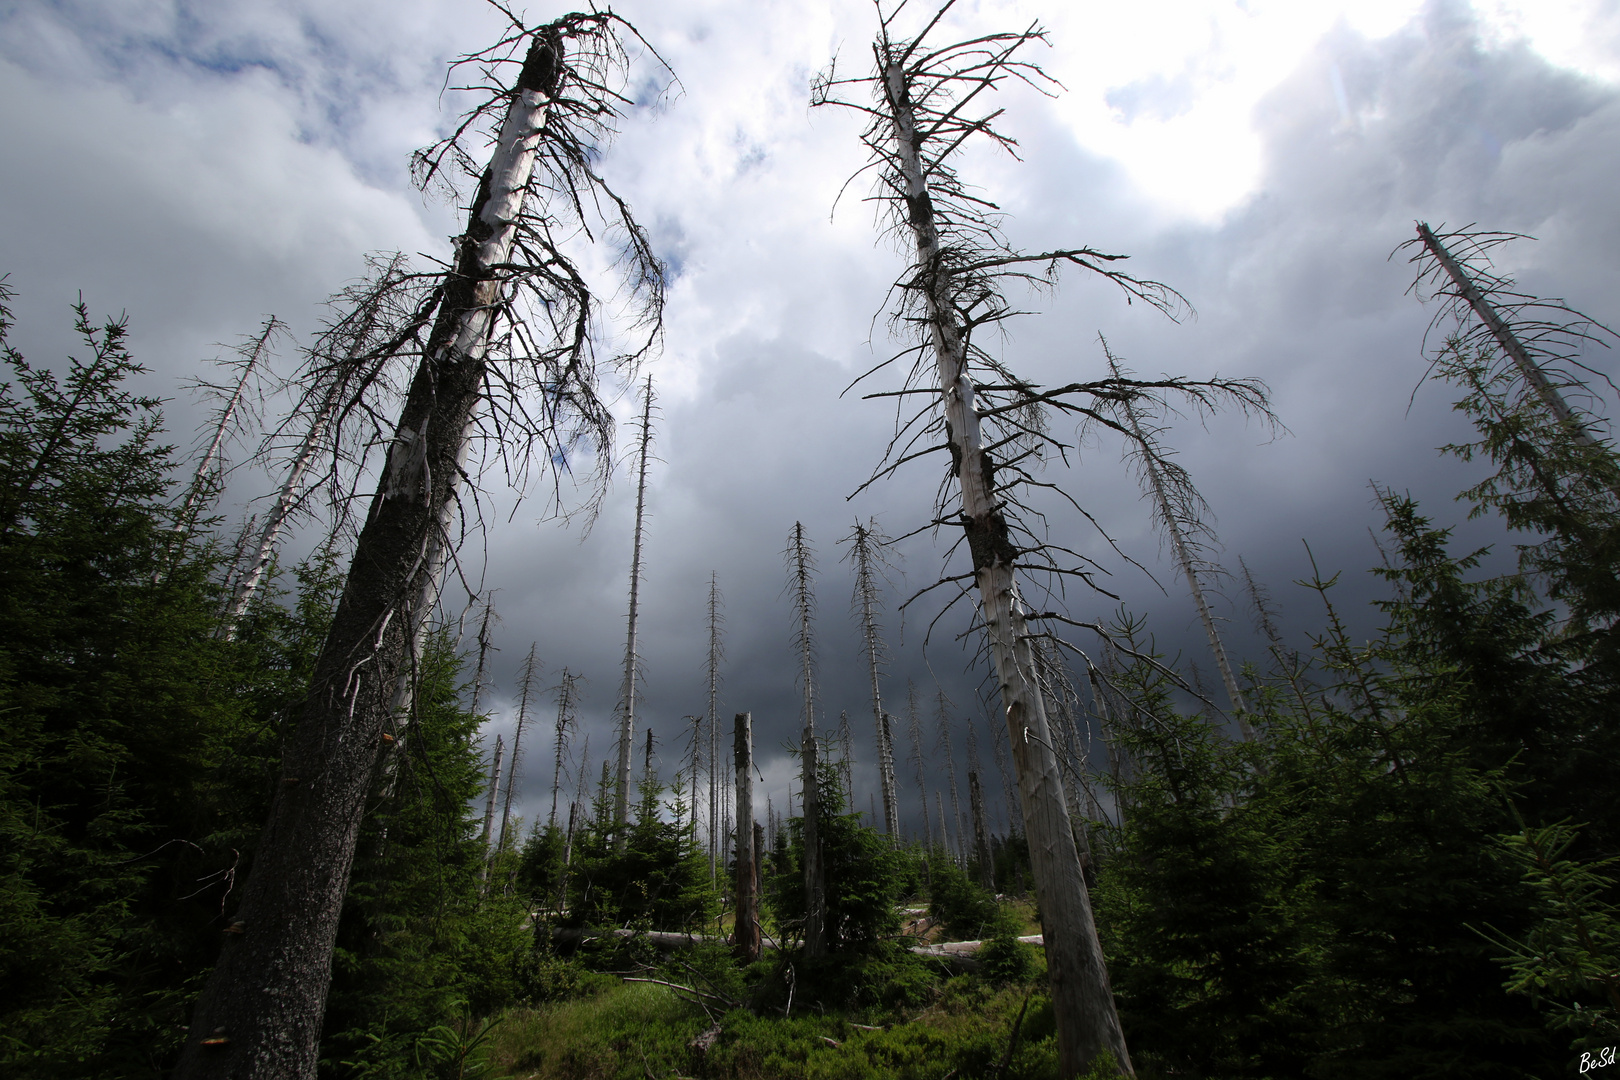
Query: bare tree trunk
point(526, 687)
point(863, 543)
point(565, 723)
point(981, 835)
point(714, 729)
point(489, 805)
point(944, 743)
point(746, 928)
point(1082, 1000)
point(1505, 337)
point(918, 756)
point(846, 764)
point(627, 699)
point(260, 1014)
point(253, 354)
point(815, 885)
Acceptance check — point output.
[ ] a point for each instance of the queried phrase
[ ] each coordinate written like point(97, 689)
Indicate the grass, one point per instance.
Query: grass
point(636, 1031)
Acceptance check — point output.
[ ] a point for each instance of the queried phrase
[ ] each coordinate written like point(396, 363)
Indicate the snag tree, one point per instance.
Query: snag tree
point(926, 100)
point(508, 354)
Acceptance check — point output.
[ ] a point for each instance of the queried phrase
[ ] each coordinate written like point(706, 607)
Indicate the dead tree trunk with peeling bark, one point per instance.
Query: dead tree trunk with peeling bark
point(259, 1015)
point(866, 551)
point(632, 661)
point(924, 105)
point(525, 691)
point(567, 703)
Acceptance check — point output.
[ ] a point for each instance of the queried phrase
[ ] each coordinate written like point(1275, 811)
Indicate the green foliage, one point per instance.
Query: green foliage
point(1569, 961)
point(659, 881)
point(864, 876)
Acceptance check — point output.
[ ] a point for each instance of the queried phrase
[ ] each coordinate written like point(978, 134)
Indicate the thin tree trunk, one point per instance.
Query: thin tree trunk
point(525, 689)
point(815, 885)
point(489, 805)
point(746, 928)
point(950, 775)
point(627, 716)
point(918, 757)
point(863, 539)
point(565, 723)
point(1082, 1001)
point(1505, 337)
point(714, 728)
point(252, 356)
point(260, 1013)
point(981, 835)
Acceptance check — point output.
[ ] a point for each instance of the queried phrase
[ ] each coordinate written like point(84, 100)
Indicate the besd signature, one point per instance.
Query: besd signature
point(1602, 1059)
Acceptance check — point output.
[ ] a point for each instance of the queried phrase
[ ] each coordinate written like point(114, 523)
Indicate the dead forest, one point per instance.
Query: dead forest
point(272, 807)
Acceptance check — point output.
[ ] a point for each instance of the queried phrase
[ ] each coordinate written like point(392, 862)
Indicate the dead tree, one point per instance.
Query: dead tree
point(715, 654)
point(236, 405)
point(926, 101)
point(489, 804)
point(567, 704)
point(525, 691)
point(866, 548)
point(800, 565)
point(846, 757)
point(632, 662)
point(346, 371)
point(1515, 322)
point(746, 926)
point(981, 834)
point(942, 742)
point(260, 1013)
point(1184, 516)
point(919, 759)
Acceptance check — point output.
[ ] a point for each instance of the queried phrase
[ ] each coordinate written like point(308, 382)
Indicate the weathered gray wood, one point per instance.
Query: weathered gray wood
point(627, 692)
point(1082, 1000)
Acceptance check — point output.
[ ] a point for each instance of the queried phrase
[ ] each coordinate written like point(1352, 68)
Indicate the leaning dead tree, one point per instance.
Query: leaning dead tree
point(1535, 407)
point(866, 548)
point(525, 693)
point(926, 101)
point(1183, 515)
point(1541, 338)
point(236, 406)
point(800, 566)
point(502, 349)
point(348, 371)
point(632, 661)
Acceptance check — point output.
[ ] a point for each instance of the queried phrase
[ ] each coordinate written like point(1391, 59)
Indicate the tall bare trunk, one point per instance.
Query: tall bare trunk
point(489, 805)
point(919, 757)
point(260, 1014)
point(981, 834)
point(944, 744)
point(815, 885)
point(1504, 335)
point(864, 543)
point(525, 690)
point(627, 694)
point(746, 928)
point(566, 702)
point(1082, 1000)
point(714, 729)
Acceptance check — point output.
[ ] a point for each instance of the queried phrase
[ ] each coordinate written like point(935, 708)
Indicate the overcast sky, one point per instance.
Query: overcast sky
point(200, 165)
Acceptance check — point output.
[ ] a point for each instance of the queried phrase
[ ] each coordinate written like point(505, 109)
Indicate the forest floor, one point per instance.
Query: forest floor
point(640, 1031)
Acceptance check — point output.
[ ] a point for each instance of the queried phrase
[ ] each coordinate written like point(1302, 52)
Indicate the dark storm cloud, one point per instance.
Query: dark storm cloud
point(244, 158)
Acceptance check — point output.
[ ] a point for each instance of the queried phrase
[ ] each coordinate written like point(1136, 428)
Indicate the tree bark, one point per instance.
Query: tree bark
point(259, 1017)
point(1082, 1001)
point(746, 929)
